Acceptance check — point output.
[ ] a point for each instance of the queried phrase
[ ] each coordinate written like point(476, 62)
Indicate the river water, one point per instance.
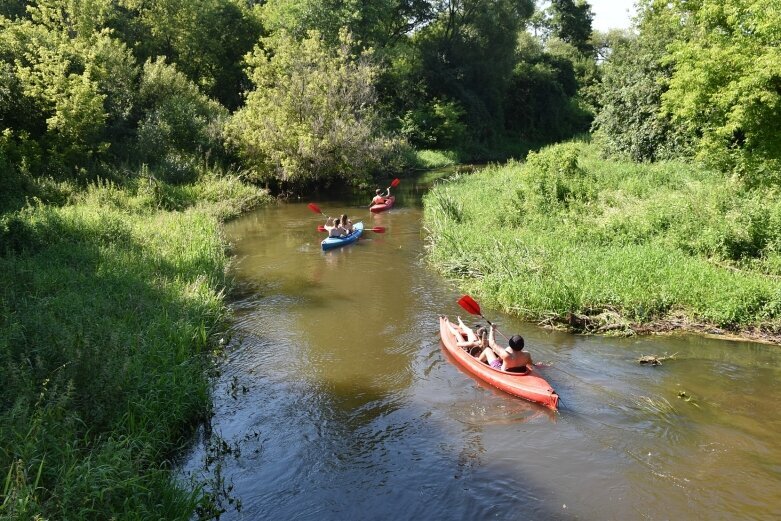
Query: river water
point(336, 400)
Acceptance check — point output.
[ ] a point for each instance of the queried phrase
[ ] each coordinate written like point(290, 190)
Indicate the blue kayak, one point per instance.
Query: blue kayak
point(335, 242)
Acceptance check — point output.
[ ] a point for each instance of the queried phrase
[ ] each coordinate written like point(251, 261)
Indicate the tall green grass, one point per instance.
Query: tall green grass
point(426, 159)
point(567, 232)
point(108, 305)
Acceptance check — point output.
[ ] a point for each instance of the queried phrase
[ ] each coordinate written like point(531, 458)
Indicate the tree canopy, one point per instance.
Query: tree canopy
point(700, 80)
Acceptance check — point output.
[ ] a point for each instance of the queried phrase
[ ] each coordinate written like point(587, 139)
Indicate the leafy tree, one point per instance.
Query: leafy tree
point(570, 20)
point(436, 125)
point(178, 121)
point(726, 83)
point(311, 117)
point(373, 23)
point(12, 8)
point(541, 98)
point(52, 73)
point(207, 39)
point(467, 55)
point(631, 121)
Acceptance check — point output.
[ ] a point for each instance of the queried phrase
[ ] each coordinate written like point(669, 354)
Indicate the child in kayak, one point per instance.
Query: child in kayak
point(505, 358)
point(335, 230)
point(347, 224)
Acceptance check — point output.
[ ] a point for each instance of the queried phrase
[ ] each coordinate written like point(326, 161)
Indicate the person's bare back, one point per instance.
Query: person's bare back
point(506, 358)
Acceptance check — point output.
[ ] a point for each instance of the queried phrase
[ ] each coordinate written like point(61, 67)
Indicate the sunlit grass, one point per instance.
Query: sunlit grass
point(567, 232)
point(435, 158)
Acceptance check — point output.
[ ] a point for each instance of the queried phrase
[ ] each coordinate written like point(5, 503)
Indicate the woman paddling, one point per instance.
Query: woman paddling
point(347, 224)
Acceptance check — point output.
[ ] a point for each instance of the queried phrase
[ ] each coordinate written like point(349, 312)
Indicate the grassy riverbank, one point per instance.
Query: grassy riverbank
point(108, 306)
point(570, 239)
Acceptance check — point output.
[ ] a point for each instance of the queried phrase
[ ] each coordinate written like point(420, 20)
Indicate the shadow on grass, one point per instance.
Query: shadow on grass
point(105, 321)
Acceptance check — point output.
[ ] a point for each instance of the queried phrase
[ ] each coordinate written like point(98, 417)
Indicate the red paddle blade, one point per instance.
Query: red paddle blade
point(314, 208)
point(469, 304)
point(395, 182)
point(377, 229)
point(321, 228)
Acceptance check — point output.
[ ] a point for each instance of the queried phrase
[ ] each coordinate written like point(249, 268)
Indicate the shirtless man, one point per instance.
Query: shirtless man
point(505, 358)
point(379, 198)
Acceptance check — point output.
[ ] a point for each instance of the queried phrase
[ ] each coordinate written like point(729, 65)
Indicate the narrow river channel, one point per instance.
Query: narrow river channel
point(338, 402)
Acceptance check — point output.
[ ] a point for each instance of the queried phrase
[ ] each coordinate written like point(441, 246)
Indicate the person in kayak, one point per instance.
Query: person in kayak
point(468, 337)
point(347, 224)
point(379, 198)
point(505, 358)
point(335, 230)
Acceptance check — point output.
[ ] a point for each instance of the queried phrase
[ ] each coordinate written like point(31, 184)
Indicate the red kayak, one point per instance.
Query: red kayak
point(387, 205)
point(528, 384)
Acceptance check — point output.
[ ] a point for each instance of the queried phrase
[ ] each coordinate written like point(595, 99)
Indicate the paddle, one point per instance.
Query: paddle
point(315, 208)
point(376, 229)
point(469, 304)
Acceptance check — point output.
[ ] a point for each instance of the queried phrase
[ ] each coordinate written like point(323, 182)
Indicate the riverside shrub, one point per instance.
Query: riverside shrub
point(570, 232)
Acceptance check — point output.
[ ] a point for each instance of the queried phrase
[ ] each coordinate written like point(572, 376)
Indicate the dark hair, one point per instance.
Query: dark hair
point(337, 222)
point(516, 342)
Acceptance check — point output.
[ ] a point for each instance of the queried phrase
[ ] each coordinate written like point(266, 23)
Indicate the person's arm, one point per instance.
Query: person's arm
point(387, 193)
point(496, 348)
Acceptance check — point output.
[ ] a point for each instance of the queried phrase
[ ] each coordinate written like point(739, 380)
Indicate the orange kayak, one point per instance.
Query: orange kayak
point(528, 385)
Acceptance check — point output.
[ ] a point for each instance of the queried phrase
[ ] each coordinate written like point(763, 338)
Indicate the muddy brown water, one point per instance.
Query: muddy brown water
point(336, 400)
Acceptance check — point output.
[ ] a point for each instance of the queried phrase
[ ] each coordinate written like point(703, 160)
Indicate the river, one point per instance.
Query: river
point(336, 401)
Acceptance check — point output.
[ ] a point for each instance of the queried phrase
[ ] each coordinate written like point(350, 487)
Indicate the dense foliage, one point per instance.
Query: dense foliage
point(310, 116)
point(700, 80)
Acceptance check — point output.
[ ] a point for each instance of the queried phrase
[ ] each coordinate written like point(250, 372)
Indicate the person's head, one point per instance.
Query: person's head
point(516, 342)
point(378, 191)
point(344, 218)
point(337, 222)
